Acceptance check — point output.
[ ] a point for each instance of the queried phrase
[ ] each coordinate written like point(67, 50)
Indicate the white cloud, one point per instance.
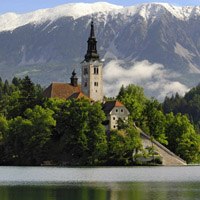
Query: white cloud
point(153, 77)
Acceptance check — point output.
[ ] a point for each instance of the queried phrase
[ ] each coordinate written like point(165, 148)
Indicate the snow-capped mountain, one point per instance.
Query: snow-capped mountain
point(10, 21)
point(47, 44)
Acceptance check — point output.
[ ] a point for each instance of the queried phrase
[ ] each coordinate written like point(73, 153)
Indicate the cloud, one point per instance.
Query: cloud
point(153, 77)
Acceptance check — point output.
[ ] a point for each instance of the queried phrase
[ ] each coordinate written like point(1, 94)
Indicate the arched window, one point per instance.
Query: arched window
point(96, 70)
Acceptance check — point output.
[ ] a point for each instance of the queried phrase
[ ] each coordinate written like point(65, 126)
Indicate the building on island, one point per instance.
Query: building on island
point(91, 85)
point(63, 90)
point(113, 111)
point(92, 88)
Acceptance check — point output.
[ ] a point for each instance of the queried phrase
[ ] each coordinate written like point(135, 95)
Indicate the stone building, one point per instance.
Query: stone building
point(92, 70)
point(114, 110)
point(63, 90)
point(91, 85)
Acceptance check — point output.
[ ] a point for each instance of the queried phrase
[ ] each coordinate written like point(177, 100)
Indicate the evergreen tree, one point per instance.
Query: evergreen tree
point(6, 88)
point(1, 83)
point(1, 94)
point(28, 95)
point(17, 82)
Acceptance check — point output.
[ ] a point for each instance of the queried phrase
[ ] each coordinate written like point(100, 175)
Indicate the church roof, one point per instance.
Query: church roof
point(79, 95)
point(109, 105)
point(61, 90)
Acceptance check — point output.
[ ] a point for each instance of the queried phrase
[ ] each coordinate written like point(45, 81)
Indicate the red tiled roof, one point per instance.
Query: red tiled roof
point(79, 95)
point(109, 105)
point(118, 104)
point(61, 90)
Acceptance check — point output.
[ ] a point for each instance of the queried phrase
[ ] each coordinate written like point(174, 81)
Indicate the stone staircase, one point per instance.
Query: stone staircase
point(169, 158)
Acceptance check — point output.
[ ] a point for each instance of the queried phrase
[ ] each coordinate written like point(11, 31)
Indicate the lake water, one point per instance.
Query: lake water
point(100, 183)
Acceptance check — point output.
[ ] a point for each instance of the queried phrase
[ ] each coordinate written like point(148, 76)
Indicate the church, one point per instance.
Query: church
point(92, 88)
point(91, 85)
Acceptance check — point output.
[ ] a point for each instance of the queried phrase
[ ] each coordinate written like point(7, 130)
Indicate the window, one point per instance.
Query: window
point(96, 83)
point(113, 118)
point(85, 84)
point(122, 110)
point(96, 70)
point(116, 110)
point(85, 71)
point(114, 126)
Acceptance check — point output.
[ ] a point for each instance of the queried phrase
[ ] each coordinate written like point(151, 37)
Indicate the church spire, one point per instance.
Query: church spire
point(92, 30)
point(92, 46)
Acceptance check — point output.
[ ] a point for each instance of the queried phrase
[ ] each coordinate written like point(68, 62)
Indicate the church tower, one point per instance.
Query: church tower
point(92, 70)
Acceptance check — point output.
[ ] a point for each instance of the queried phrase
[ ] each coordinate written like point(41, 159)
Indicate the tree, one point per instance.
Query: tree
point(182, 138)
point(189, 147)
point(11, 106)
point(79, 131)
point(97, 142)
point(28, 95)
point(17, 82)
point(133, 98)
point(1, 94)
point(188, 105)
point(155, 121)
point(122, 144)
point(6, 88)
point(3, 131)
point(26, 137)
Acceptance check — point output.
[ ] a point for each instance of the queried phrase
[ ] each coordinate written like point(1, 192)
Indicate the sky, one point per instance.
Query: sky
point(24, 6)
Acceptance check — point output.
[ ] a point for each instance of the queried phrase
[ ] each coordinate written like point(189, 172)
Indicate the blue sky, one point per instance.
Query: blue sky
point(23, 6)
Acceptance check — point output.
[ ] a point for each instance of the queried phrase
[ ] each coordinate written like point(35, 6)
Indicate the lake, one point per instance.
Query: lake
point(100, 183)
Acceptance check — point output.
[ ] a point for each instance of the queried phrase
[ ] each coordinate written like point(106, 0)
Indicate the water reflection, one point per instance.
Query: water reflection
point(104, 191)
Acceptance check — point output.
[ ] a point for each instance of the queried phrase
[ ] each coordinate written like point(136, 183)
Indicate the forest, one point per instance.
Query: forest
point(34, 128)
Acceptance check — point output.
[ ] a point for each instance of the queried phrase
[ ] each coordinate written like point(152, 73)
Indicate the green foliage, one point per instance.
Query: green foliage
point(22, 94)
point(3, 126)
point(176, 132)
point(182, 138)
point(189, 105)
point(154, 121)
point(34, 128)
point(122, 144)
point(144, 113)
point(6, 88)
point(28, 95)
point(134, 99)
point(26, 137)
point(79, 131)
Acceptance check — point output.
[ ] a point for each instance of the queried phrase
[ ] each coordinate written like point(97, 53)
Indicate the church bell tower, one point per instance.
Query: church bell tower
point(92, 70)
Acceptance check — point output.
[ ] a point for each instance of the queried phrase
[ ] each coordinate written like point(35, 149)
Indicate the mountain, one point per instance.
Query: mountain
point(155, 45)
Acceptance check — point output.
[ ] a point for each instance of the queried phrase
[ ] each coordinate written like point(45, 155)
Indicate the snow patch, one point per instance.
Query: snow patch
point(10, 21)
point(183, 52)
